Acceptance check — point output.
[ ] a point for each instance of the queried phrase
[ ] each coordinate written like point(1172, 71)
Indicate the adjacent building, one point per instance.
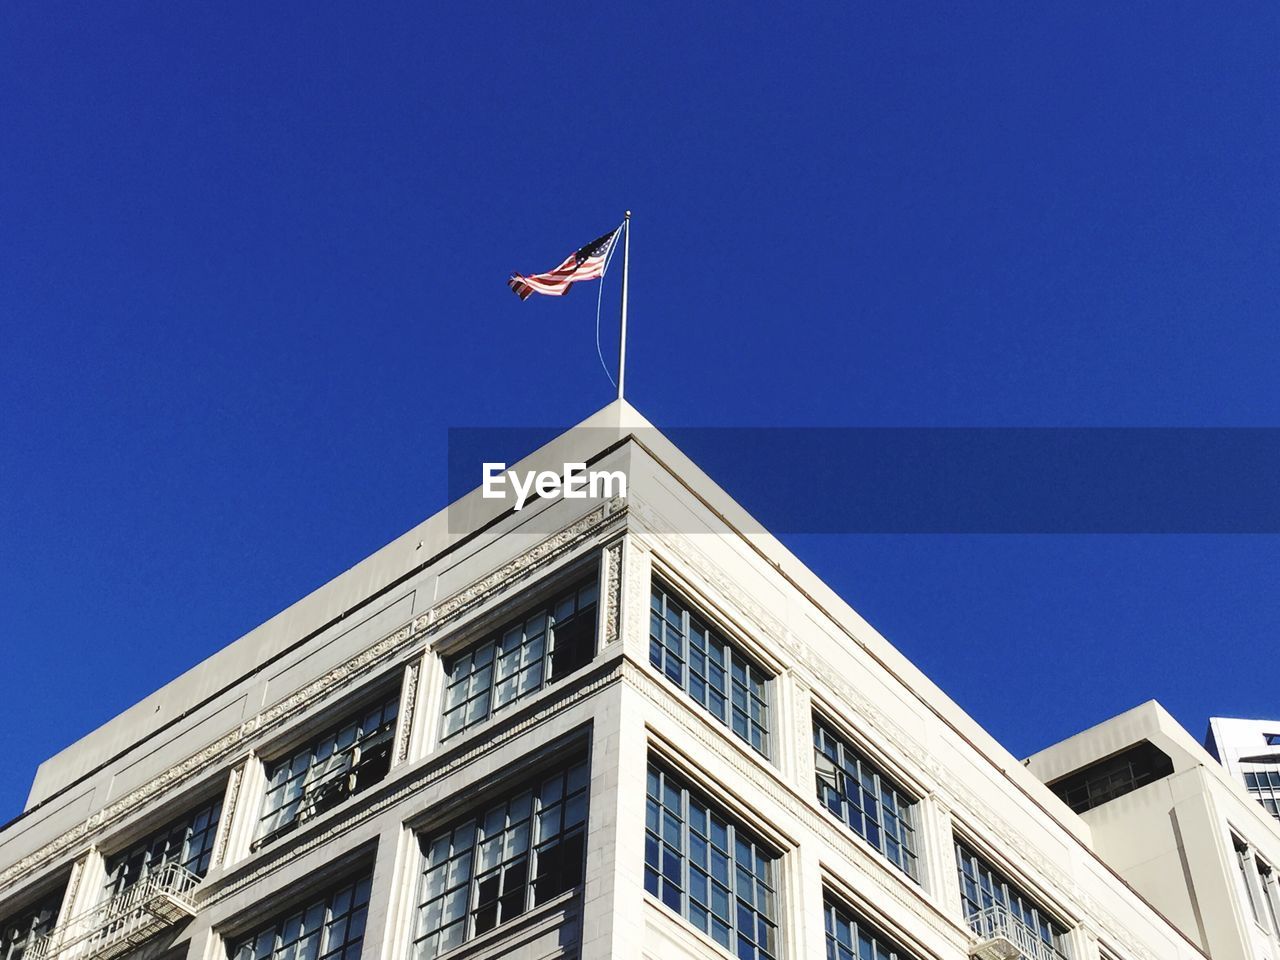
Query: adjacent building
point(1250, 750)
point(1176, 826)
point(633, 727)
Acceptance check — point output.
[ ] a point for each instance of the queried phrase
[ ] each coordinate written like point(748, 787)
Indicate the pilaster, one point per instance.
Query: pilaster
point(410, 715)
point(935, 845)
point(633, 616)
point(240, 809)
point(797, 749)
point(1082, 943)
point(804, 918)
point(613, 913)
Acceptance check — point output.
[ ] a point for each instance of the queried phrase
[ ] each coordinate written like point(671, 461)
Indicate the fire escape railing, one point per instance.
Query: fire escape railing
point(998, 930)
point(122, 922)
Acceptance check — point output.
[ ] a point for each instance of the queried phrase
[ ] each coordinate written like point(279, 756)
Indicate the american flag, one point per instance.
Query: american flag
point(586, 263)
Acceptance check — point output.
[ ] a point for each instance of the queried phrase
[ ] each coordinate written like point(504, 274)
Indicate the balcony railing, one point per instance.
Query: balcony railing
point(1002, 936)
point(120, 923)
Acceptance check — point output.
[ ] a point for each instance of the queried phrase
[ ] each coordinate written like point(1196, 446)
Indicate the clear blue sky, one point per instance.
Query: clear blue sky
point(252, 267)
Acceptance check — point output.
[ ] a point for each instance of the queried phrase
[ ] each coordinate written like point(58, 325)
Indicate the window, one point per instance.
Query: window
point(1113, 777)
point(992, 903)
point(1265, 786)
point(540, 648)
point(848, 938)
point(1242, 861)
point(186, 842)
point(329, 927)
point(346, 759)
point(708, 869)
point(1267, 887)
point(715, 673)
point(856, 792)
point(19, 931)
point(519, 853)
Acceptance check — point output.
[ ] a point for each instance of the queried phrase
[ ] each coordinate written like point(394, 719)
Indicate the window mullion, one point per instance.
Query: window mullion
point(686, 871)
point(732, 834)
point(473, 884)
point(686, 645)
point(530, 866)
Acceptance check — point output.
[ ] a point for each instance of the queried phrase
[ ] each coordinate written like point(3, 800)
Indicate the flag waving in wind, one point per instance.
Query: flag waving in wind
point(586, 263)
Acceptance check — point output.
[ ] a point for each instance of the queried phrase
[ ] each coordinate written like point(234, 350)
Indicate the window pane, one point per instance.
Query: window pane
point(540, 647)
point(849, 938)
point(713, 672)
point(19, 930)
point(331, 925)
point(856, 791)
point(350, 757)
point(522, 851)
point(695, 841)
point(186, 842)
point(991, 902)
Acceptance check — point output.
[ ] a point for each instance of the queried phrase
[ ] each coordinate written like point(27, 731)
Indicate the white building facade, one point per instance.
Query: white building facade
point(634, 728)
point(1250, 750)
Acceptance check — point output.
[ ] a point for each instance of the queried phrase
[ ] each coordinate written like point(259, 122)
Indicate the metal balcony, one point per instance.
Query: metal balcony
point(1002, 936)
point(124, 921)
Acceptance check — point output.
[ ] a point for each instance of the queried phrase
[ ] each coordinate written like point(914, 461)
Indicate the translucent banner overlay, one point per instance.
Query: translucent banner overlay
point(951, 480)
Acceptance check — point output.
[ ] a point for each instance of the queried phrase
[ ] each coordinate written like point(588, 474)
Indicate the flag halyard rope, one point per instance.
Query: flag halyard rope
point(599, 297)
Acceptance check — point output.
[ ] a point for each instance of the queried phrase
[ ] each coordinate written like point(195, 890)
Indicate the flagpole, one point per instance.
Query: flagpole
point(622, 339)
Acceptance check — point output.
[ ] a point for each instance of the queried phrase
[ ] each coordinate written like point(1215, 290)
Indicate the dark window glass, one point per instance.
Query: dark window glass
point(708, 869)
point(994, 905)
point(328, 927)
point(713, 672)
point(519, 853)
point(544, 645)
point(341, 762)
point(854, 790)
point(186, 842)
point(21, 929)
point(849, 938)
point(1113, 777)
point(1264, 785)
